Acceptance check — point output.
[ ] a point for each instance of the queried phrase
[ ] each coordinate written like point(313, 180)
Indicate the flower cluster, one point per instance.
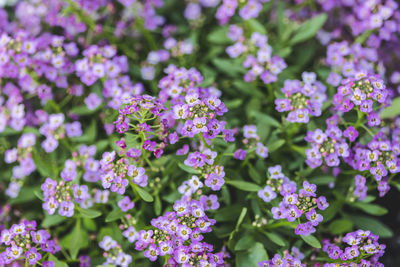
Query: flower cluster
point(360, 247)
point(360, 191)
point(257, 54)
point(294, 205)
point(380, 158)
point(361, 93)
point(62, 195)
point(196, 110)
point(302, 98)
point(179, 234)
point(227, 9)
point(128, 226)
point(329, 145)
point(82, 161)
point(290, 258)
point(24, 241)
point(252, 142)
point(362, 17)
point(23, 155)
point(113, 253)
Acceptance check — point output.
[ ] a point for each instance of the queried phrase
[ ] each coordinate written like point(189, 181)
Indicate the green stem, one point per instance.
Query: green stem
point(280, 224)
point(367, 130)
point(360, 116)
point(204, 140)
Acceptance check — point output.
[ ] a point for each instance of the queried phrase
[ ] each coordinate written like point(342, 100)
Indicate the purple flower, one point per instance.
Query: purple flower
point(195, 159)
point(15, 251)
point(293, 213)
point(210, 202)
point(126, 204)
point(133, 153)
point(250, 131)
point(80, 192)
point(73, 129)
point(322, 203)
point(366, 106)
point(262, 150)
point(180, 111)
point(39, 237)
point(351, 133)
point(199, 125)
point(50, 144)
point(214, 182)
point(92, 101)
point(138, 175)
point(267, 194)
point(314, 217)
point(166, 248)
point(282, 105)
point(107, 243)
point(149, 145)
point(130, 234)
point(119, 185)
point(32, 255)
point(308, 189)
point(50, 205)
point(240, 154)
point(66, 209)
point(304, 229)
point(275, 172)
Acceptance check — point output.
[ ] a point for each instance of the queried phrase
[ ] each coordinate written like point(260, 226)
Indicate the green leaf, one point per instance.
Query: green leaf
point(364, 36)
point(275, 145)
point(247, 88)
point(114, 215)
point(38, 194)
point(219, 36)
point(371, 224)
point(26, 194)
point(311, 240)
point(391, 111)
point(340, 226)
point(52, 220)
point(101, 145)
point(188, 168)
point(83, 110)
point(254, 174)
point(43, 164)
point(89, 224)
point(331, 211)
point(157, 206)
point(228, 214)
point(256, 26)
point(228, 66)
point(244, 186)
point(144, 194)
point(284, 52)
point(308, 29)
point(235, 103)
point(76, 240)
point(89, 213)
point(277, 239)
point(252, 256)
point(57, 263)
point(372, 209)
point(321, 180)
point(259, 116)
point(244, 243)
point(241, 218)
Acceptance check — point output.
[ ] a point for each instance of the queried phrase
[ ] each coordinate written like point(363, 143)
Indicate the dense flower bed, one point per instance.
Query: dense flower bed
point(198, 132)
